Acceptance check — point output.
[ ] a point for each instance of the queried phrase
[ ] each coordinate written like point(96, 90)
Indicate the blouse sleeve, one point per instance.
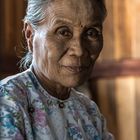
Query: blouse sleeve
point(11, 122)
point(98, 118)
point(106, 135)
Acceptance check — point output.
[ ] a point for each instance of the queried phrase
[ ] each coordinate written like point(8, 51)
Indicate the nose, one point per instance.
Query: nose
point(76, 48)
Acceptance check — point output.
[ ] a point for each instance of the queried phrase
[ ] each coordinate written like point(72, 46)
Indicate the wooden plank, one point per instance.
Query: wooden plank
point(136, 26)
point(2, 26)
point(108, 51)
point(107, 103)
point(9, 30)
point(19, 15)
point(11, 34)
point(126, 108)
point(138, 106)
point(111, 69)
point(122, 35)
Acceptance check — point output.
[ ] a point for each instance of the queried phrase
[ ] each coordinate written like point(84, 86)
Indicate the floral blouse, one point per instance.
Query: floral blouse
point(28, 112)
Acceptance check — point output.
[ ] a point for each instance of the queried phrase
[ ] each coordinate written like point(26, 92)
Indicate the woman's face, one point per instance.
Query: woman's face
point(67, 43)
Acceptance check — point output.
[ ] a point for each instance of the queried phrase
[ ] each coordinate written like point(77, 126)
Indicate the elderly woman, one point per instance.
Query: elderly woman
point(64, 39)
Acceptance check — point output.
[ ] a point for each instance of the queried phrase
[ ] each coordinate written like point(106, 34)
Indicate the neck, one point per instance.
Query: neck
point(51, 87)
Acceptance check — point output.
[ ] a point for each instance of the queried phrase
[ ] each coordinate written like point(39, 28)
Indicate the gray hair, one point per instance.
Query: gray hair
point(35, 13)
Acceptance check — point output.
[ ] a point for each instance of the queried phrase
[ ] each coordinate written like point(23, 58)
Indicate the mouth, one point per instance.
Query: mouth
point(75, 69)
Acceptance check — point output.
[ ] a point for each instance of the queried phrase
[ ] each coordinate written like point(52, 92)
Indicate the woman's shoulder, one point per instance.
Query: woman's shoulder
point(88, 103)
point(14, 79)
point(13, 89)
point(94, 113)
point(83, 97)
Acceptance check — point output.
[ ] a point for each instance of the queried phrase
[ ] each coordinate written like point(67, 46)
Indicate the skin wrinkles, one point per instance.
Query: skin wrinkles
point(64, 52)
point(80, 14)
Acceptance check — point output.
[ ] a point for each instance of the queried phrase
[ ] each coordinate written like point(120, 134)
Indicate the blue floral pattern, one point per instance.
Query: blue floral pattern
point(28, 112)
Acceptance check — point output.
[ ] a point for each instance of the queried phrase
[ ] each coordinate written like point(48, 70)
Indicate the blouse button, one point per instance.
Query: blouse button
point(31, 109)
point(61, 104)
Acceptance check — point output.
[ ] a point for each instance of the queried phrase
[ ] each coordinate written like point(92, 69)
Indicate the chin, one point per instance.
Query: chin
point(71, 83)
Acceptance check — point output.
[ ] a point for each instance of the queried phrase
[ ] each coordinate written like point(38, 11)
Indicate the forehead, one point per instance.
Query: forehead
point(74, 11)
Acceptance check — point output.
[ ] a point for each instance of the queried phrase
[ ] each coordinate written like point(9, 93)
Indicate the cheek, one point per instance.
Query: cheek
point(56, 48)
point(96, 46)
point(94, 49)
point(40, 54)
point(38, 50)
point(53, 53)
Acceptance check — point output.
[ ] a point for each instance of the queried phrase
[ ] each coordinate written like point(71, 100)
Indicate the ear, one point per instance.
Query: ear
point(29, 32)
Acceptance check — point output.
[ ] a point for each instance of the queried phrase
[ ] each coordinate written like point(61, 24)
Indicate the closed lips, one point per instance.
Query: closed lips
point(75, 69)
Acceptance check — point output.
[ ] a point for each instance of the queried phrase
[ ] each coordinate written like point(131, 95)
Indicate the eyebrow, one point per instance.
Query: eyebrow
point(62, 21)
point(67, 21)
point(96, 24)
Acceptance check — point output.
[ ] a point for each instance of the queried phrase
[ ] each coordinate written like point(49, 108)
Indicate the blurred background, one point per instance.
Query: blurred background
point(114, 83)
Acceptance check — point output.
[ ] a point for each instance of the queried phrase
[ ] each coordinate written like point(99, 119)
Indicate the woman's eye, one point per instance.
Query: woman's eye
point(64, 32)
point(92, 33)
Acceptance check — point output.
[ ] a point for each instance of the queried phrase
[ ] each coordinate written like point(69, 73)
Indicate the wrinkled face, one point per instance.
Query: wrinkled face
point(67, 43)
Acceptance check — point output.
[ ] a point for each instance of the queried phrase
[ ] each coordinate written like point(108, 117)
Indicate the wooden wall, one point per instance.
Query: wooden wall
point(11, 13)
point(117, 74)
point(114, 84)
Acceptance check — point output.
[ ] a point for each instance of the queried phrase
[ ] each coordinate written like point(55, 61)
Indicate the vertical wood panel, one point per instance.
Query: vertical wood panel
point(19, 12)
point(12, 12)
point(2, 33)
point(107, 103)
point(136, 28)
point(126, 109)
point(138, 106)
point(9, 26)
point(108, 51)
point(122, 35)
